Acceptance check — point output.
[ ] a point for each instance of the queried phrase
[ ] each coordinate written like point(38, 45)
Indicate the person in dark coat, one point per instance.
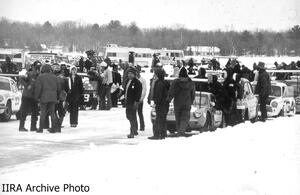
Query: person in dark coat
point(263, 89)
point(29, 103)
point(239, 97)
point(116, 86)
point(133, 92)
point(160, 95)
point(47, 92)
point(74, 97)
point(88, 64)
point(60, 110)
point(201, 86)
point(183, 92)
point(8, 67)
point(230, 106)
point(81, 64)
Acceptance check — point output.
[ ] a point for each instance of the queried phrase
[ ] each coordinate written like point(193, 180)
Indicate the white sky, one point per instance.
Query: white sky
point(193, 14)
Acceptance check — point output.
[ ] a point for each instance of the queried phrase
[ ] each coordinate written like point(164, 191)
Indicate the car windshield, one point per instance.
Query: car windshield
point(275, 91)
point(4, 84)
point(204, 99)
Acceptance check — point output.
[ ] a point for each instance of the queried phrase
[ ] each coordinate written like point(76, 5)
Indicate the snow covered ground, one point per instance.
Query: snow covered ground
point(259, 158)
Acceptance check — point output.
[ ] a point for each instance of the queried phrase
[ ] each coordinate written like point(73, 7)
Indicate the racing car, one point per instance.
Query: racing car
point(281, 101)
point(10, 98)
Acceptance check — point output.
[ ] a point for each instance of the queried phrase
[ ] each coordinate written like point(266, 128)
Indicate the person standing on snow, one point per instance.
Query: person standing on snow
point(183, 92)
point(74, 96)
point(263, 89)
point(107, 83)
point(29, 104)
point(141, 104)
point(47, 92)
point(160, 95)
point(133, 91)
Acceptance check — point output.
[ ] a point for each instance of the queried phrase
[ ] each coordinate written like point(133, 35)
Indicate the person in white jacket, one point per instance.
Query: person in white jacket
point(141, 104)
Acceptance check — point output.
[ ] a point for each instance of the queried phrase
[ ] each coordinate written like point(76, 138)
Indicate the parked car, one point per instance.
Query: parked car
point(10, 98)
point(295, 83)
point(89, 90)
point(203, 115)
point(281, 101)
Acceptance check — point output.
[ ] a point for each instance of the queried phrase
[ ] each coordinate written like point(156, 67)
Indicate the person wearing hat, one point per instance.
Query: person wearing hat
point(160, 94)
point(74, 96)
point(47, 92)
point(107, 83)
point(183, 91)
point(8, 67)
point(29, 104)
point(133, 92)
point(263, 89)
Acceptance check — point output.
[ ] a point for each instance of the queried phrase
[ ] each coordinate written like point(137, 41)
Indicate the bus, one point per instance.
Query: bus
point(142, 56)
point(168, 56)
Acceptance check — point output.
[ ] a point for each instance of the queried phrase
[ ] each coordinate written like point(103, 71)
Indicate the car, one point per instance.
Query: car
point(249, 104)
point(203, 115)
point(89, 90)
point(10, 98)
point(295, 83)
point(281, 101)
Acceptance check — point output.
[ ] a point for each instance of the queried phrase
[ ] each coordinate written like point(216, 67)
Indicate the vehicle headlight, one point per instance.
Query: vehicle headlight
point(274, 104)
point(153, 112)
point(197, 114)
point(1, 98)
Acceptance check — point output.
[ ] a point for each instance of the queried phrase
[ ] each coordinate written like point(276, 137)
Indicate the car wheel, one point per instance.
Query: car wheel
point(281, 113)
point(7, 113)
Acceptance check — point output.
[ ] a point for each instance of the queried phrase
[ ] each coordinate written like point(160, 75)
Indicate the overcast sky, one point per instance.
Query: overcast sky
point(194, 14)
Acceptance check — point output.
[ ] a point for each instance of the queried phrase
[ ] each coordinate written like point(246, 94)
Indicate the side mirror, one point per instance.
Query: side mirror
point(212, 104)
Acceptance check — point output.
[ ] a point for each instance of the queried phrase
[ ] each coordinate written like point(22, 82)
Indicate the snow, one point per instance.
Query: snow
point(260, 158)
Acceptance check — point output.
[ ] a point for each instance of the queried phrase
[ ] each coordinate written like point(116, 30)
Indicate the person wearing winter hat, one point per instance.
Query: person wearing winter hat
point(47, 92)
point(183, 91)
point(74, 96)
point(133, 91)
point(263, 89)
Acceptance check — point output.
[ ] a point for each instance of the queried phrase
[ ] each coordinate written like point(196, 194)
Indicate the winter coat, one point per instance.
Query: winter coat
point(47, 87)
point(116, 78)
point(161, 89)
point(263, 87)
point(183, 92)
point(29, 84)
point(133, 92)
point(64, 87)
point(231, 88)
point(75, 89)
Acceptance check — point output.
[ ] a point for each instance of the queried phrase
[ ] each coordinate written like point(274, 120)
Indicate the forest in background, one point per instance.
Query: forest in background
point(76, 36)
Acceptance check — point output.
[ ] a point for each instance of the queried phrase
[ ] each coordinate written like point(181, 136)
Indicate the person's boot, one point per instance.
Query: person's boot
point(21, 126)
point(33, 127)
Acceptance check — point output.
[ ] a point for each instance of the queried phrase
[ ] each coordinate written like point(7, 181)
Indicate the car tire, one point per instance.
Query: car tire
point(6, 115)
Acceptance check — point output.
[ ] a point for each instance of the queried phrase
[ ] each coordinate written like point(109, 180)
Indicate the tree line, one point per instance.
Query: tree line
point(74, 35)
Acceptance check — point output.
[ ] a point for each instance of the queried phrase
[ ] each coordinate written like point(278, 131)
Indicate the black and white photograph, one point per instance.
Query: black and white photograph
point(150, 97)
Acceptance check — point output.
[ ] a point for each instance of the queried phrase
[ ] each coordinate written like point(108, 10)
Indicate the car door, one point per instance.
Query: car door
point(251, 100)
point(15, 96)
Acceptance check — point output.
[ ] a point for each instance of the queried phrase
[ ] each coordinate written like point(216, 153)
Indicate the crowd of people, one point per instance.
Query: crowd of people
point(49, 91)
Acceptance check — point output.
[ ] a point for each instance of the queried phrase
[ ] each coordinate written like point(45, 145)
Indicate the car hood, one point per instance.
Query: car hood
point(2, 92)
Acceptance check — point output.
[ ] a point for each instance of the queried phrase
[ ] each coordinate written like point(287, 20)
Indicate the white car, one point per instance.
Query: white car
point(10, 98)
point(281, 101)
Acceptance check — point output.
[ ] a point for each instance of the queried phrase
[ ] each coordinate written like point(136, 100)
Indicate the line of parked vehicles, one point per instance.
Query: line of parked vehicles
point(284, 100)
